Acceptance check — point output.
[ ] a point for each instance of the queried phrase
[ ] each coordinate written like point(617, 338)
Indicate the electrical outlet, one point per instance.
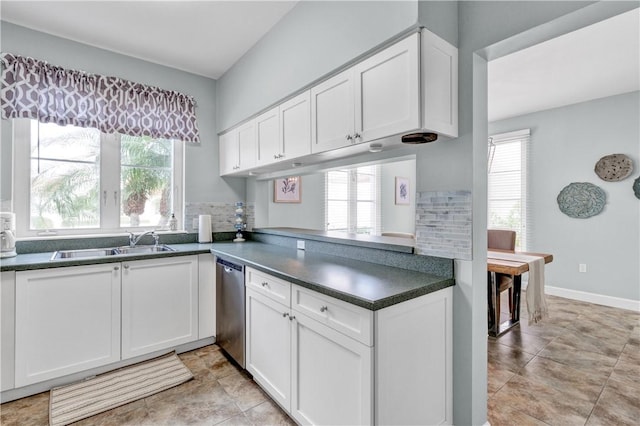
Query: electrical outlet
point(582, 267)
point(300, 244)
point(194, 224)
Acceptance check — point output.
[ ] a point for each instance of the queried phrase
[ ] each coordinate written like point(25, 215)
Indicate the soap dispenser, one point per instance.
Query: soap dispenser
point(173, 223)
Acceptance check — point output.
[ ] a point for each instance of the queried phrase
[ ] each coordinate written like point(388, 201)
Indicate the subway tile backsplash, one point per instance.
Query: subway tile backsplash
point(443, 224)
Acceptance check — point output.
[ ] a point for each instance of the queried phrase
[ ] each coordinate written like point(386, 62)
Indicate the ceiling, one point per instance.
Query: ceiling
point(594, 62)
point(201, 37)
point(208, 37)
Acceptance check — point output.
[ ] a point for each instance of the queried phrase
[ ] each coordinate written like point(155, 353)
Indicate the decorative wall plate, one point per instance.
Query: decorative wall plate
point(614, 167)
point(636, 187)
point(581, 200)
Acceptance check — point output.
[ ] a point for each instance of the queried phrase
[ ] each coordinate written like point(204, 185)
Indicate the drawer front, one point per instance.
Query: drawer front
point(348, 319)
point(270, 286)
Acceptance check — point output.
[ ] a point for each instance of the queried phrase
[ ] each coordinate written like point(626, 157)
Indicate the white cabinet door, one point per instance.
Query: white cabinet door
point(67, 320)
point(295, 126)
point(8, 329)
point(332, 381)
point(387, 91)
point(268, 334)
point(246, 146)
point(268, 136)
point(332, 113)
point(229, 155)
point(439, 85)
point(159, 304)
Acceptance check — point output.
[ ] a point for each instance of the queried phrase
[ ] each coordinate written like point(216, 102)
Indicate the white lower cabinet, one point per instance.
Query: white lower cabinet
point(8, 329)
point(67, 320)
point(268, 345)
point(332, 383)
point(328, 362)
point(159, 304)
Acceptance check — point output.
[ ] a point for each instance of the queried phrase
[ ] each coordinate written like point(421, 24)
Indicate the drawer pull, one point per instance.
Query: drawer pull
point(323, 309)
point(285, 314)
point(265, 284)
point(291, 318)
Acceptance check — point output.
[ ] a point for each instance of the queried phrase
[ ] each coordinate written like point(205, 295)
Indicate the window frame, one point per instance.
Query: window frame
point(352, 200)
point(109, 182)
point(523, 234)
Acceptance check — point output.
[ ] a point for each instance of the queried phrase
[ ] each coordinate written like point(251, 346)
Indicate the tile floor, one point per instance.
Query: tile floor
point(581, 366)
point(220, 394)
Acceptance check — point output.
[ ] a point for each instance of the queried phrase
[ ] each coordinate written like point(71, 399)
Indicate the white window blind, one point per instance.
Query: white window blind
point(352, 197)
point(507, 184)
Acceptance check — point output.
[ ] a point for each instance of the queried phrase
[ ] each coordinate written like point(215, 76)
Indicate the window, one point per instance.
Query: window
point(71, 180)
point(352, 200)
point(507, 184)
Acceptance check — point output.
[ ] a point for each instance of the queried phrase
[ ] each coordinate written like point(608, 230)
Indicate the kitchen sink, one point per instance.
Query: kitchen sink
point(111, 251)
point(144, 249)
point(72, 254)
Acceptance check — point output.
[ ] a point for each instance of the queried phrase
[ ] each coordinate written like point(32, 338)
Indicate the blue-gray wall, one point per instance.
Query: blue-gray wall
point(313, 39)
point(202, 181)
point(565, 145)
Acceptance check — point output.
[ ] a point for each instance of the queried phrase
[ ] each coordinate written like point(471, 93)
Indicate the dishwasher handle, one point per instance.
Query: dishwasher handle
point(229, 266)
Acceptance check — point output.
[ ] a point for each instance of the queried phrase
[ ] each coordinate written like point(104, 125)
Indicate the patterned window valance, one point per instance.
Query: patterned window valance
point(38, 90)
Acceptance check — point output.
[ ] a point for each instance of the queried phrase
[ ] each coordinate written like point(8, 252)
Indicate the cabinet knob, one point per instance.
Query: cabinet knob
point(357, 136)
point(116, 268)
point(323, 309)
point(285, 314)
point(275, 157)
point(291, 318)
point(265, 284)
point(349, 137)
point(126, 266)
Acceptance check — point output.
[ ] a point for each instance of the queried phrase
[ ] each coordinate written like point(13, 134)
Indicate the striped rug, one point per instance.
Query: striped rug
point(70, 403)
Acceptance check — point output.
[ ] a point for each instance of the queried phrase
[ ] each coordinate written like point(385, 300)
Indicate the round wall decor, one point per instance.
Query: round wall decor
point(636, 187)
point(581, 200)
point(614, 167)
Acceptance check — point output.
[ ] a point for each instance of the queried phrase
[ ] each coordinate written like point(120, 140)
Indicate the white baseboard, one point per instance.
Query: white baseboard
point(598, 299)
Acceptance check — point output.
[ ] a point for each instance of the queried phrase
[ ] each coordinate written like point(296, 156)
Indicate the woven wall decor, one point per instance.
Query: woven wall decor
point(614, 167)
point(581, 200)
point(636, 187)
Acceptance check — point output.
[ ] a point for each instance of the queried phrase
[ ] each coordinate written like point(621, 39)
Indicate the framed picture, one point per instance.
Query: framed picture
point(287, 190)
point(402, 191)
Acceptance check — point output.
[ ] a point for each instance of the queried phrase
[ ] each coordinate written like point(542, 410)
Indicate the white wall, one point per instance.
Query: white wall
point(566, 143)
point(308, 214)
point(202, 181)
point(398, 217)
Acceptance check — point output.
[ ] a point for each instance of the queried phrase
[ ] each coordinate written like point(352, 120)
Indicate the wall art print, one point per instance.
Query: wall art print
point(287, 190)
point(581, 200)
point(402, 191)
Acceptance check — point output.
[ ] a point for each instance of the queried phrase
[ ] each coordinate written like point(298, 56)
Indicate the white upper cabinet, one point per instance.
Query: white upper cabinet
point(387, 92)
point(295, 126)
point(332, 113)
point(238, 149)
point(410, 86)
point(439, 85)
point(268, 136)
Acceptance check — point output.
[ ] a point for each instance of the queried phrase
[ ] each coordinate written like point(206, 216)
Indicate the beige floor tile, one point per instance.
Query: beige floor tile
point(243, 390)
point(542, 402)
point(507, 357)
point(530, 343)
point(268, 413)
point(619, 404)
point(496, 378)
point(580, 360)
point(502, 415)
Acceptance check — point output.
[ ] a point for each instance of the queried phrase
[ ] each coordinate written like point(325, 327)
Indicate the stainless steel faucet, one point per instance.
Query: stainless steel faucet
point(133, 239)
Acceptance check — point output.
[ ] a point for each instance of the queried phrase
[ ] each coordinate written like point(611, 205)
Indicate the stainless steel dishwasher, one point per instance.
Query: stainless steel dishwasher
point(230, 308)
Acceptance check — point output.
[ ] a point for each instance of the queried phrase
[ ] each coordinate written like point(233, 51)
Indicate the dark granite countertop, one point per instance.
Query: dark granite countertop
point(24, 262)
point(369, 285)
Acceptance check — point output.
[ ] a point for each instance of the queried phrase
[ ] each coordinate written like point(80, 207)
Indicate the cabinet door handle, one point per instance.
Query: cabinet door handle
point(291, 318)
point(116, 268)
point(323, 309)
point(349, 137)
point(285, 314)
point(356, 136)
point(265, 284)
point(126, 266)
point(275, 157)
